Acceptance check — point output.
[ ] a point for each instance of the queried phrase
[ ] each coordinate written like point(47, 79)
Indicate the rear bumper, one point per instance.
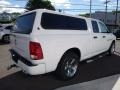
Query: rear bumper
point(27, 66)
point(32, 70)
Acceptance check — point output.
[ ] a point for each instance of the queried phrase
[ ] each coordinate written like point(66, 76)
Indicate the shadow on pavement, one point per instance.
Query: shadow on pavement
point(106, 66)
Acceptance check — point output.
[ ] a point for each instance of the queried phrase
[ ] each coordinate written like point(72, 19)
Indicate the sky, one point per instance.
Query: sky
point(68, 6)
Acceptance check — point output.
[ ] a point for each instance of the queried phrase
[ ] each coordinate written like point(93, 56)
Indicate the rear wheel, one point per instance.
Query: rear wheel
point(112, 49)
point(6, 39)
point(68, 66)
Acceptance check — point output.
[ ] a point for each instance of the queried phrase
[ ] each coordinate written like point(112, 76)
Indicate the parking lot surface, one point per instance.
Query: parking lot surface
point(106, 83)
point(5, 60)
point(14, 79)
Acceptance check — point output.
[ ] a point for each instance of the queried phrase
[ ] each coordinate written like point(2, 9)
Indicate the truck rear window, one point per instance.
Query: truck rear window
point(24, 24)
point(56, 22)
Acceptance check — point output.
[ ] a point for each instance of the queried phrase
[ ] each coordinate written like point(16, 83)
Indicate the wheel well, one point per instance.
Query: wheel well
point(75, 50)
point(5, 35)
point(113, 41)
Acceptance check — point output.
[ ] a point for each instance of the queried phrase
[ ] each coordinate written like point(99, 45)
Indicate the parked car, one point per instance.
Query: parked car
point(1, 26)
point(44, 41)
point(117, 34)
point(5, 33)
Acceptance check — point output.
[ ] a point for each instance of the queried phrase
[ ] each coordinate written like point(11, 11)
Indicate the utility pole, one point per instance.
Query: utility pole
point(116, 15)
point(106, 2)
point(90, 8)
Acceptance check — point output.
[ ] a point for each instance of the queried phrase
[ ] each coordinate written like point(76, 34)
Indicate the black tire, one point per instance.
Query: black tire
point(6, 39)
point(111, 51)
point(68, 66)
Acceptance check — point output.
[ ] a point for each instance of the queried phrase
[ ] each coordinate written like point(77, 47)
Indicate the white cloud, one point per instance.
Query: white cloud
point(20, 10)
point(102, 0)
point(86, 0)
point(61, 3)
point(4, 4)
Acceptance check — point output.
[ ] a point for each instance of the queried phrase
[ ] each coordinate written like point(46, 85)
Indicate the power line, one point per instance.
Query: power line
point(82, 9)
point(1, 5)
point(90, 8)
point(56, 9)
point(116, 14)
point(77, 4)
point(106, 3)
point(83, 4)
point(72, 3)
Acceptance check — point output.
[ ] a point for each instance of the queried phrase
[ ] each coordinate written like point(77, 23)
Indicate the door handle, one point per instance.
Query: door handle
point(104, 36)
point(95, 37)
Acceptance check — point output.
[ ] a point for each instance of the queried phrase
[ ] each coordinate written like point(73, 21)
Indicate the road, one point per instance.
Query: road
point(16, 80)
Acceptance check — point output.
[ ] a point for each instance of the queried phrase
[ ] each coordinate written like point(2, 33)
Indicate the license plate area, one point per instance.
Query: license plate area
point(14, 56)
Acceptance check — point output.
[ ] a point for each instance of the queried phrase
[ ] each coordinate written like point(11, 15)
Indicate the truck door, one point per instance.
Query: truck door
point(105, 36)
point(96, 38)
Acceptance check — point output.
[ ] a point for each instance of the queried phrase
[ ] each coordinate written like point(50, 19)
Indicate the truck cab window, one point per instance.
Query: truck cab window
point(95, 27)
point(103, 28)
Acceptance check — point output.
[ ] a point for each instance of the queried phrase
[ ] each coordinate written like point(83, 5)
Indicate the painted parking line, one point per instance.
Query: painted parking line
point(117, 85)
point(106, 83)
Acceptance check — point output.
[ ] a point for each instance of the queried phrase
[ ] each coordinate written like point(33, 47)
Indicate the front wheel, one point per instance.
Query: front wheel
point(68, 66)
point(111, 51)
point(6, 39)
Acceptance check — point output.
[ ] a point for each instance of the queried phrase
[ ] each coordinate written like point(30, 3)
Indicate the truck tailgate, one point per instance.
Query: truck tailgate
point(20, 44)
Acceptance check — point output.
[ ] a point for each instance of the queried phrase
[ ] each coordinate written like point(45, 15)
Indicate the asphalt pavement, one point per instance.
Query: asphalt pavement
point(89, 75)
point(104, 67)
point(106, 83)
point(5, 60)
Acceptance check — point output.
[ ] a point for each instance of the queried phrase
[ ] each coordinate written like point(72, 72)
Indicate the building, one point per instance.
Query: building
point(110, 18)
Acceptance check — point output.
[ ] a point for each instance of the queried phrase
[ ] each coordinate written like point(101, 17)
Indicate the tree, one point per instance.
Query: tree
point(115, 12)
point(14, 16)
point(36, 4)
point(85, 15)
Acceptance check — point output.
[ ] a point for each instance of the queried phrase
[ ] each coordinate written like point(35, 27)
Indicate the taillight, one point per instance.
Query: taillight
point(35, 51)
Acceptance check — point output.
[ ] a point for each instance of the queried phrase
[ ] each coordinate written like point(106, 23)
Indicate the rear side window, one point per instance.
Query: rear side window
point(54, 21)
point(24, 24)
point(95, 27)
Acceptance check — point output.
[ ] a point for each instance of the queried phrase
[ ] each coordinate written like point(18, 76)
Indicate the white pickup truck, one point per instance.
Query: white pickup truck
point(44, 41)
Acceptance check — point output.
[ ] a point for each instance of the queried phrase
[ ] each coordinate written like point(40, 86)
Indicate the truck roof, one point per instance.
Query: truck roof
point(55, 12)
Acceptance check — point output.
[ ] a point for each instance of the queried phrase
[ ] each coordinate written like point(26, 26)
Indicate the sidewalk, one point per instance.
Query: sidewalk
point(107, 83)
